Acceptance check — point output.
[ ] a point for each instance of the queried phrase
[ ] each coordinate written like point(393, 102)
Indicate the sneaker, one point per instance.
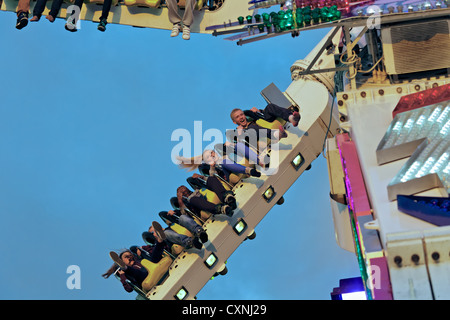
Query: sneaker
point(295, 118)
point(255, 173)
point(22, 20)
point(102, 25)
point(230, 200)
point(35, 18)
point(175, 30)
point(186, 33)
point(70, 26)
point(203, 236)
point(50, 18)
point(226, 209)
point(159, 231)
point(115, 257)
point(197, 244)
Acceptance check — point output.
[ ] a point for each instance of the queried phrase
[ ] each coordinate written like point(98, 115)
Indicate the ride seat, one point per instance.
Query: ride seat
point(156, 272)
point(143, 3)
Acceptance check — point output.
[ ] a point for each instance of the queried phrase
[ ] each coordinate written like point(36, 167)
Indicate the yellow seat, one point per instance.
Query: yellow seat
point(270, 125)
point(155, 272)
point(144, 3)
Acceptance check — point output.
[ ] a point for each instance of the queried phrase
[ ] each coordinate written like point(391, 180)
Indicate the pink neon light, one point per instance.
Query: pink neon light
point(354, 181)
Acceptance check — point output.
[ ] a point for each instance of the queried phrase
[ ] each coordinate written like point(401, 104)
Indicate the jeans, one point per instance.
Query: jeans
point(181, 239)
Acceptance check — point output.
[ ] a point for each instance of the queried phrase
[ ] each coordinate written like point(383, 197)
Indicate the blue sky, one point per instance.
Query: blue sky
point(85, 139)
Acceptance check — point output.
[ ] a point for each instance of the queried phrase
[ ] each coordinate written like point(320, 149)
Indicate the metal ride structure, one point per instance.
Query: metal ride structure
point(375, 92)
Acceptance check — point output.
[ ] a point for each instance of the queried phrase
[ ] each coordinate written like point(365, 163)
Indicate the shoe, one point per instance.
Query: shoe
point(226, 209)
point(186, 33)
point(35, 18)
point(70, 26)
point(159, 231)
point(50, 18)
point(102, 25)
point(175, 30)
point(203, 236)
point(230, 200)
point(22, 20)
point(283, 133)
point(295, 118)
point(197, 244)
point(255, 173)
point(115, 257)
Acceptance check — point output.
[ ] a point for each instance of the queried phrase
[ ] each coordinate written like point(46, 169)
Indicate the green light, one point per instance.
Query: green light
point(249, 19)
point(257, 17)
point(211, 260)
point(297, 161)
point(181, 294)
point(266, 17)
point(307, 19)
point(269, 194)
point(240, 226)
point(241, 20)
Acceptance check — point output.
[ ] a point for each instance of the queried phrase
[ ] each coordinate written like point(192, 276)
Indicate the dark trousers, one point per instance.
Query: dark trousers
point(40, 6)
point(199, 203)
point(74, 14)
point(272, 111)
point(136, 275)
point(105, 9)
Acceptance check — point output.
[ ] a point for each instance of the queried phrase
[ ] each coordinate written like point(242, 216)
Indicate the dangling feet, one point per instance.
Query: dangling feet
point(253, 172)
point(35, 18)
point(22, 20)
point(230, 200)
point(159, 231)
point(50, 18)
point(70, 26)
point(115, 257)
point(282, 134)
point(175, 30)
point(224, 209)
point(294, 118)
point(186, 33)
point(102, 25)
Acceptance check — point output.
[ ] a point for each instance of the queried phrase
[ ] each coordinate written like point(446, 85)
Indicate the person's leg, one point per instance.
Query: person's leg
point(214, 184)
point(138, 274)
point(172, 7)
point(22, 13)
point(38, 9)
point(190, 224)
point(188, 17)
point(201, 203)
point(105, 9)
point(54, 10)
point(179, 239)
point(23, 6)
point(272, 111)
point(74, 15)
point(157, 252)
